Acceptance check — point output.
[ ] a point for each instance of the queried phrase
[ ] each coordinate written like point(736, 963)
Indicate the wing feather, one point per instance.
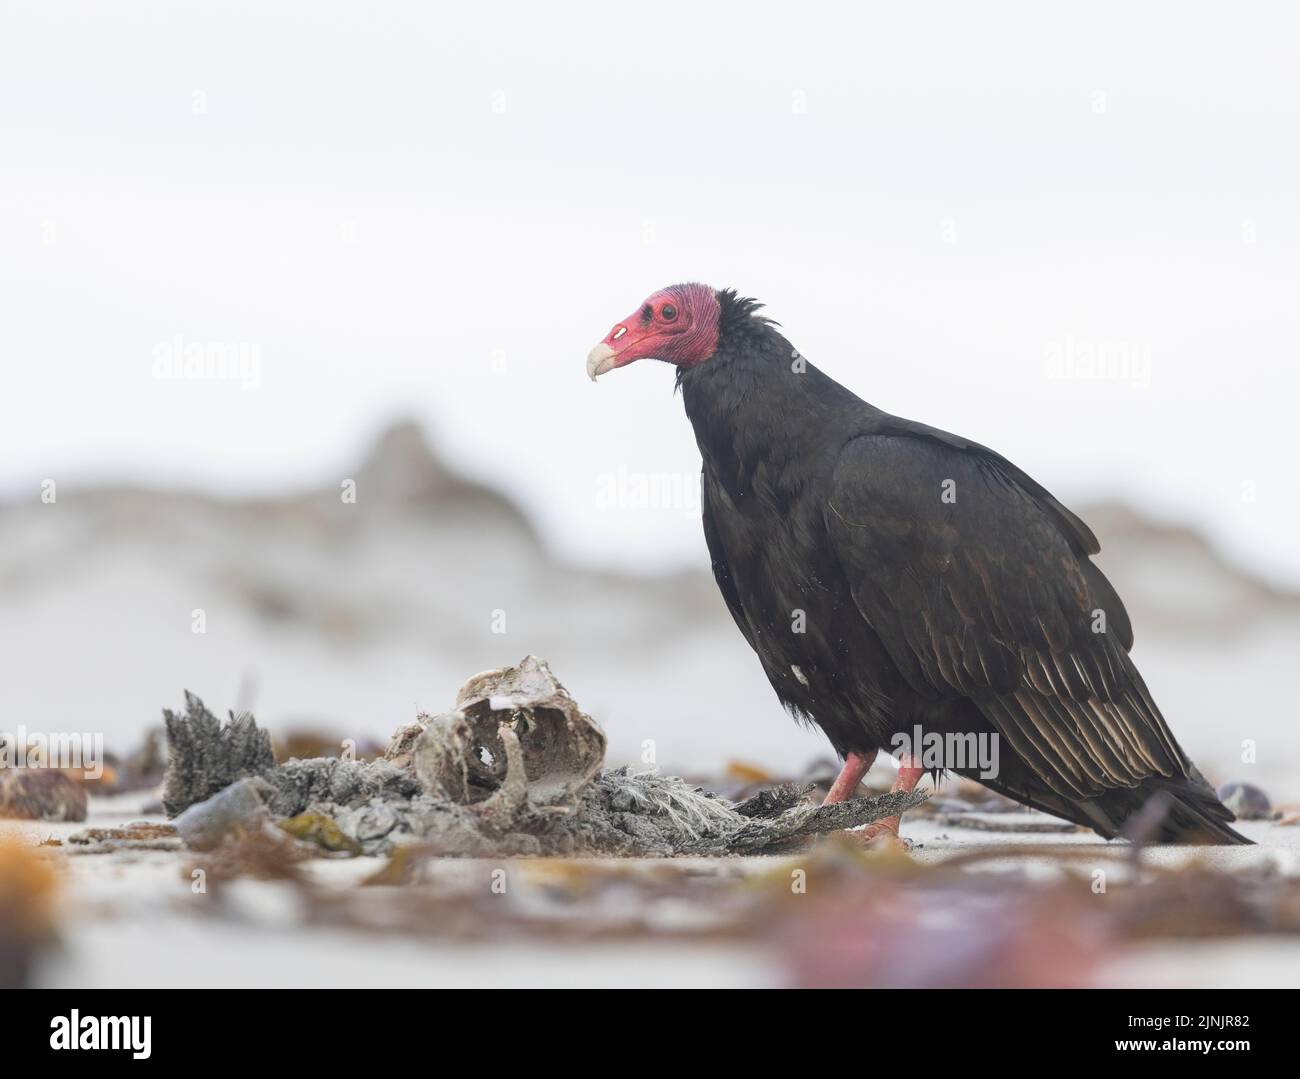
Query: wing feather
point(992, 597)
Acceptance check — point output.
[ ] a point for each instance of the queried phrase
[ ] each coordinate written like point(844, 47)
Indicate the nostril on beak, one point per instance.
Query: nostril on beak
point(619, 331)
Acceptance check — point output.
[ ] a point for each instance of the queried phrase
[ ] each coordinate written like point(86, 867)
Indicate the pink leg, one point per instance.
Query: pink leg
point(846, 783)
point(909, 774)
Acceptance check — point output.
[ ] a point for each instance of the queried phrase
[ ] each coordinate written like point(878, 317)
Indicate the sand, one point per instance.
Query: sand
point(130, 918)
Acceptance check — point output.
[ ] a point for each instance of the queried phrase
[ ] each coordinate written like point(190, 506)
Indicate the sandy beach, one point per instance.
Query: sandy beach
point(132, 918)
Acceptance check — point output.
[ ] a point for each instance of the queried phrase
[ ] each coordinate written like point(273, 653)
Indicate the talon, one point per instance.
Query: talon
point(883, 835)
point(887, 841)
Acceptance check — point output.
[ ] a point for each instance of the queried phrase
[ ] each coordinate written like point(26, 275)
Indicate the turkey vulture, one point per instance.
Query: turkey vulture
point(897, 581)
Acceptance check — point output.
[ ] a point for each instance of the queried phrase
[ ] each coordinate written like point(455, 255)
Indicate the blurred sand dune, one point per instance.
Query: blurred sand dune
point(354, 616)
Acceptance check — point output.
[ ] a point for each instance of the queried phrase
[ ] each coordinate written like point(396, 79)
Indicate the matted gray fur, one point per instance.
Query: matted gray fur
point(514, 769)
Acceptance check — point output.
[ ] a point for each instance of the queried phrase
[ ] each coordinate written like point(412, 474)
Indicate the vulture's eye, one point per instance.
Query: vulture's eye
point(668, 311)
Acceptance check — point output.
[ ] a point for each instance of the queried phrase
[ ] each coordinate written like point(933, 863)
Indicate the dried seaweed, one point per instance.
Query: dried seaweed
point(139, 835)
point(41, 794)
point(205, 756)
point(28, 885)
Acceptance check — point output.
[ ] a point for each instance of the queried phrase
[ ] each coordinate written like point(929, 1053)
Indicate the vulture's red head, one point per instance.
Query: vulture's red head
point(678, 324)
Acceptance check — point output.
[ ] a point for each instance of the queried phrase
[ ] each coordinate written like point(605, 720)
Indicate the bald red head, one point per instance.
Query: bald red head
point(678, 324)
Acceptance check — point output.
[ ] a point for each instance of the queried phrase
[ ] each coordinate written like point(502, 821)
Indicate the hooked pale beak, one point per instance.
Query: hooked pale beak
point(599, 360)
point(635, 338)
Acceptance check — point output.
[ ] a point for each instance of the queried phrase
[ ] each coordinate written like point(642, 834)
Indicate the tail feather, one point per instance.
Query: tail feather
point(1158, 810)
point(1193, 813)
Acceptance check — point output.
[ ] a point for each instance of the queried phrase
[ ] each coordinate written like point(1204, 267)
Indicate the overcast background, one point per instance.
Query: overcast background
point(440, 208)
point(434, 211)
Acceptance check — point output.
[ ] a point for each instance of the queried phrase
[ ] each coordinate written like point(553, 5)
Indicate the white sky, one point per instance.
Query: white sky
point(344, 192)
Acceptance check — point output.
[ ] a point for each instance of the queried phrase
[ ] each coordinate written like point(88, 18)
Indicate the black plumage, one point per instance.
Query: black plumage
point(890, 574)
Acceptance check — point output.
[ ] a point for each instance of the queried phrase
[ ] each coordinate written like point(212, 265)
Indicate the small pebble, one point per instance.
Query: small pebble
point(203, 825)
point(1247, 801)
